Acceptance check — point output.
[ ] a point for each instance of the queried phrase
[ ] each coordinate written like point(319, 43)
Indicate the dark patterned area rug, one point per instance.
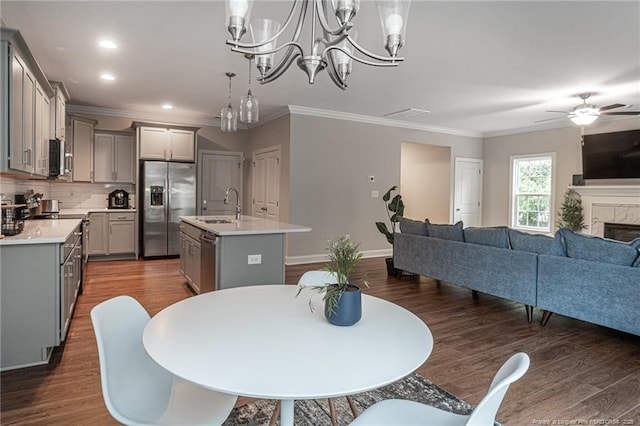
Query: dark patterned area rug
point(316, 412)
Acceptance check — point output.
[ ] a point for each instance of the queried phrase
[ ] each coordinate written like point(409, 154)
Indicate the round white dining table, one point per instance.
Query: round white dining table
point(264, 342)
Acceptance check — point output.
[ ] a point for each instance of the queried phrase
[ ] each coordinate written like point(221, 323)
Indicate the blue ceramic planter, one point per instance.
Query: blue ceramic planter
point(349, 309)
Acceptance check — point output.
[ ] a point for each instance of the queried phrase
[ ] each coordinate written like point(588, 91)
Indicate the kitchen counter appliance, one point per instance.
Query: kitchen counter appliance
point(119, 199)
point(169, 191)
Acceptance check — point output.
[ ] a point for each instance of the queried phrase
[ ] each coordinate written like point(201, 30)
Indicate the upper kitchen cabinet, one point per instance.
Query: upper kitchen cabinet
point(81, 140)
point(114, 157)
point(58, 108)
point(166, 143)
point(25, 108)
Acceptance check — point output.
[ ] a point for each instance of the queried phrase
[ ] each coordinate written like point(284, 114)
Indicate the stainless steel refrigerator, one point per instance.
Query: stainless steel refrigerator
point(169, 192)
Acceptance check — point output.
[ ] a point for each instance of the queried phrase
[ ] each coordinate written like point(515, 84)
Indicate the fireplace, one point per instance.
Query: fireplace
point(610, 204)
point(621, 231)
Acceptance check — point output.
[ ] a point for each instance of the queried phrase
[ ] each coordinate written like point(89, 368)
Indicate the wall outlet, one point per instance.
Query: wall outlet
point(254, 259)
point(375, 193)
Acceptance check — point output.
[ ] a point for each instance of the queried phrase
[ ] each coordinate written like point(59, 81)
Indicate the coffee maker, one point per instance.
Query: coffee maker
point(119, 199)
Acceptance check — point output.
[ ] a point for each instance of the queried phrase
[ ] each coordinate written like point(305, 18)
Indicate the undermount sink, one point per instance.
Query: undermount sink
point(217, 221)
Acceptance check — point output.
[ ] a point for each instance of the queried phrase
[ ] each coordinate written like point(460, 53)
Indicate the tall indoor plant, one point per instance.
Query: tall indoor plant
point(570, 214)
point(395, 210)
point(342, 300)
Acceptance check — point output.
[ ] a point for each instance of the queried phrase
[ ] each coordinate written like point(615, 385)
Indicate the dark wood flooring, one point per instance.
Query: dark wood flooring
point(580, 373)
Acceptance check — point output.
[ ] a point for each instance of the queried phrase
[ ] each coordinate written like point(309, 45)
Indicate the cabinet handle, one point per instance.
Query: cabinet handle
point(171, 154)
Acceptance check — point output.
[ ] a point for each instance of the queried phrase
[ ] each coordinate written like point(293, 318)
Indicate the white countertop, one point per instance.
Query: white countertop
point(43, 231)
point(85, 211)
point(247, 225)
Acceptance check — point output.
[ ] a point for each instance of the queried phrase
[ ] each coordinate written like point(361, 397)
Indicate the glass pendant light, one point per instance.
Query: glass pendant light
point(249, 102)
point(228, 115)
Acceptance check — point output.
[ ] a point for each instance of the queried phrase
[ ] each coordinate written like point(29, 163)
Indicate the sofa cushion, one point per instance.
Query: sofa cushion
point(589, 247)
point(445, 232)
point(414, 227)
point(537, 243)
point(491, 236)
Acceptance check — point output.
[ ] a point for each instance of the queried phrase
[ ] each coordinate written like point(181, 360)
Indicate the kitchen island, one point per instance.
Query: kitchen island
point(218, 252)
point(41, 276)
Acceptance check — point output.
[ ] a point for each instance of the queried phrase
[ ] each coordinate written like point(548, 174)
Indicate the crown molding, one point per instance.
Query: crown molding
point(146, 116)
point(380, 121)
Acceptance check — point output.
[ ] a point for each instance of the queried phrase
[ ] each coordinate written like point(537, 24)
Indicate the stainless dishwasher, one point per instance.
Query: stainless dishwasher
point(207, 262)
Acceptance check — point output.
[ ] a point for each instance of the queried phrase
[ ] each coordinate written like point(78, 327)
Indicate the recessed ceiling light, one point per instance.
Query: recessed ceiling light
point(107, 76)
point(107, 44)
point(167, 106)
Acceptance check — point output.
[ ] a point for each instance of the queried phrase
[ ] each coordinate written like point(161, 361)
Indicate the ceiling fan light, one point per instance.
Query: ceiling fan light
point(584, 119)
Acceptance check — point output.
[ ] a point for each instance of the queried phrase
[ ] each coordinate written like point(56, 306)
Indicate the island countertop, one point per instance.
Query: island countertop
point(247, 225)
point(42, 231)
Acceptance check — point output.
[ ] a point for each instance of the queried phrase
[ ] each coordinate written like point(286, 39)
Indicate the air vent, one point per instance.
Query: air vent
point(409, 114)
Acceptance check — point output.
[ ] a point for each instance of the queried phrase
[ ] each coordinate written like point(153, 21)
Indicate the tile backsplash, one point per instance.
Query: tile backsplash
point(70, 195)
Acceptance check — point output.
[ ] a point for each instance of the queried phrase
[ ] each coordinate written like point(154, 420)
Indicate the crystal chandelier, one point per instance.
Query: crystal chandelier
point(334, 50)
point(249, 102)
point(228, 115)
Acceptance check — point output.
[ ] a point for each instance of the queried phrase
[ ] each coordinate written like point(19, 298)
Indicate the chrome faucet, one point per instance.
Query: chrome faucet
point(226, 201)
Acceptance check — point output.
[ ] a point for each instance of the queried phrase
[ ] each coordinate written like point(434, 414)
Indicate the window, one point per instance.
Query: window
point(532, 194)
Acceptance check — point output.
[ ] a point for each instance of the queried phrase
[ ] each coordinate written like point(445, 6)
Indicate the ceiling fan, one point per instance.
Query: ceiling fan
point(585, 113)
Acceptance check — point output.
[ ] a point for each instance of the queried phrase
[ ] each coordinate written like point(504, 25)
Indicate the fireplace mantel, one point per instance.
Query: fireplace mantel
point(608, 191)
point(609, 203)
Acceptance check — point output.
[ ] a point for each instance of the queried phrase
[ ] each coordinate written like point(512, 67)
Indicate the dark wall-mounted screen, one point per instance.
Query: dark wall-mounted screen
point(611, 155)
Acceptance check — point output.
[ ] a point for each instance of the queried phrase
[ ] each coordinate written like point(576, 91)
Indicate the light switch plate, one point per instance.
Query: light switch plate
point(254, 259)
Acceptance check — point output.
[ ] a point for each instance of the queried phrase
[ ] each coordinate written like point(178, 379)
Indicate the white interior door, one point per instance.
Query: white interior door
point(266, 183)
point(218, 172)
point(467, 205)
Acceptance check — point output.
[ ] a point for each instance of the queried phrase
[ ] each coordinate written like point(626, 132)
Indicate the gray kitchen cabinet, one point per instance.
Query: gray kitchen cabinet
point(42, 132)
point(122, 232)
point(81, 140)
point(40, 284)
point(25, 90)
point(114, 157)
point(58, 110)
point(166, 143)
point(98, 234)
point(112, 233)
point(190, 251)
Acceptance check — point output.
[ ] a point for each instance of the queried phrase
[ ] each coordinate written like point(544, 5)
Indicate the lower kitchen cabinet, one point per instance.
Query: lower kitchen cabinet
point(97, 237)
point(40, 285)
point(112, 233)
point(190, 251)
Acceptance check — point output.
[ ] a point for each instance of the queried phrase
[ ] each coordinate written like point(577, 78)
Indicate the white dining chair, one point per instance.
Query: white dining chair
point(400, 412)
point(317, 279)
point(136, 390)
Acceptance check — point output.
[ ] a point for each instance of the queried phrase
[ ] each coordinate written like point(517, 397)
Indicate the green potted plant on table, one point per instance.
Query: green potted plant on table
point(342, 300)
point(395, 210)
point(570, 214)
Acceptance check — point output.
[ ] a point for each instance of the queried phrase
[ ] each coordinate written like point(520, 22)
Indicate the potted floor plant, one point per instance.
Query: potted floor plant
point(570, 214)
point(342, 300)
point(395, 210)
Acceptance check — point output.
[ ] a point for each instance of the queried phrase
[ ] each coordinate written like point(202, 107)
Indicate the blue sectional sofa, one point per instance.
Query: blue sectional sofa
point(583, 277)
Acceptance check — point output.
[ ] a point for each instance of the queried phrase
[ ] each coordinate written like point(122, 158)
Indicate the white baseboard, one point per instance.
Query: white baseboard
point(319, 258)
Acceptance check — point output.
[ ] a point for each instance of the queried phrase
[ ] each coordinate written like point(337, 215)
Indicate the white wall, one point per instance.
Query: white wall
point(331, 160)
point(565, 142)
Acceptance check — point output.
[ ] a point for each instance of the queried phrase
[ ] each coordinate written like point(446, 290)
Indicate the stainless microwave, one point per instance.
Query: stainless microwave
point(60, 158)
